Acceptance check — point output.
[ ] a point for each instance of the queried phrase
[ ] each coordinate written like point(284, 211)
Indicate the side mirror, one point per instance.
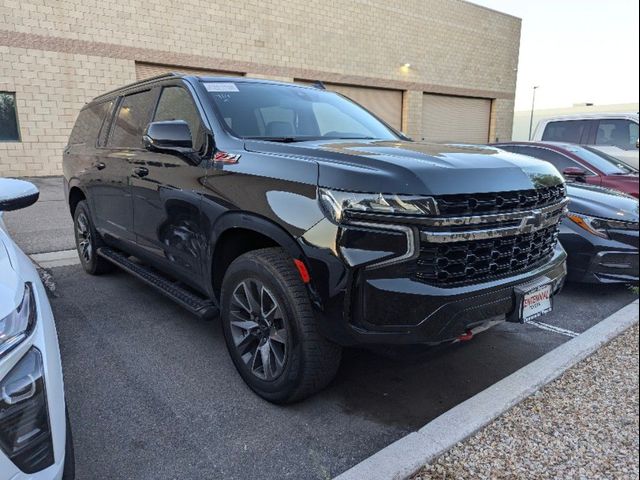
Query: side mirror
point(17, 194)
point(169, 136)
point(574, 173)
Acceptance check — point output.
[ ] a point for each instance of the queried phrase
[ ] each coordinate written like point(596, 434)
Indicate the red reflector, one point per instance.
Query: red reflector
point(465, 337)
point(224, 157)
point(302, 269)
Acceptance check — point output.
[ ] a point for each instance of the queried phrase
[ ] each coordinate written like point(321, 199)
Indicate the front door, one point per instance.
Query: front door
point(167, 189)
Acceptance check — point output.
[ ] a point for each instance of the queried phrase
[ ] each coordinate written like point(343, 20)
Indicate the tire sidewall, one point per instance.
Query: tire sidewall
point(283, 386)
point(90, 266)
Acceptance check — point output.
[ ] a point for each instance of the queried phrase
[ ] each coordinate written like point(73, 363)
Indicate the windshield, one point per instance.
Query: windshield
point(290, 113)
point(605, 163)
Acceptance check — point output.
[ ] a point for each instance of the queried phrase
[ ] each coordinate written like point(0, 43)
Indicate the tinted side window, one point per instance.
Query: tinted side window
point(176, 104)
point(617, 132)
point(510, 148)
point(106, 125)
point(556, 159)
point(570, 131)
point(132, 118)
point(88, 124)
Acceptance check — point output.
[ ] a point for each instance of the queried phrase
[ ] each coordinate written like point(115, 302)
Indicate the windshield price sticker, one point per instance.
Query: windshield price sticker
point(221, 87)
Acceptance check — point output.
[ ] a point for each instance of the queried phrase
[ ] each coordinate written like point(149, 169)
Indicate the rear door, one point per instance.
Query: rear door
point(167, 189)
point(113, 205)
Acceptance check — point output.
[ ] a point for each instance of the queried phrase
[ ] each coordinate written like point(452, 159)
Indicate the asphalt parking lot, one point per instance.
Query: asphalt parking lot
point(152, 393)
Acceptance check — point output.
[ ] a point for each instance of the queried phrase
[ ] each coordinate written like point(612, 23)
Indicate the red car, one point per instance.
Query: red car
point(581, 164)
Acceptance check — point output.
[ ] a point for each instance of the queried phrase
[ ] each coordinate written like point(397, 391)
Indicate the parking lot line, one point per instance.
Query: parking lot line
point(552, 328)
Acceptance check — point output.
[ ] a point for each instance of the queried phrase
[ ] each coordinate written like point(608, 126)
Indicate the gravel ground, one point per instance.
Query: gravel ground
point(583, 425)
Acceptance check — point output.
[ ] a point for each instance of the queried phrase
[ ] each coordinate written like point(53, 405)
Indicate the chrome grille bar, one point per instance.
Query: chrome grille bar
point(527, 221)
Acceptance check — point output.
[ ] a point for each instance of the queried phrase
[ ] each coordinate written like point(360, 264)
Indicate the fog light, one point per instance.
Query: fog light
point(25, 431)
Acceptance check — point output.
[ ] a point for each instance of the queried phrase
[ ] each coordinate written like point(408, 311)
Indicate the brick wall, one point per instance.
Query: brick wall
point(57, 55)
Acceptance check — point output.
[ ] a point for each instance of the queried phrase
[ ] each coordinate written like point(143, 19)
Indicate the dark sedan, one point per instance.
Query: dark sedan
point(581, 164)
point(600, 235)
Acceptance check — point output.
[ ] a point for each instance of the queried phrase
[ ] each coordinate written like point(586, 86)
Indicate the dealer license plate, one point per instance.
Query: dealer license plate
point(536, 302)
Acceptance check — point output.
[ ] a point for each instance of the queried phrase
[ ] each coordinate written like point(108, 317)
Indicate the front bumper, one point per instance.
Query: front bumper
point(403, 311)
point(594, 259)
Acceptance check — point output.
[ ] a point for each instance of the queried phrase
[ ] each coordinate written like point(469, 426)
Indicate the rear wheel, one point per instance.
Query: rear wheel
point(88, 241)
point(270, 330)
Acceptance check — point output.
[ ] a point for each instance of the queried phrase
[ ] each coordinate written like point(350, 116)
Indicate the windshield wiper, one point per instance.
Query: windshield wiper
point(280, 139)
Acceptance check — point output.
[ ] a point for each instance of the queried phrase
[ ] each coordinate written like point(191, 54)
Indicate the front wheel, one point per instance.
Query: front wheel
point(270, 330)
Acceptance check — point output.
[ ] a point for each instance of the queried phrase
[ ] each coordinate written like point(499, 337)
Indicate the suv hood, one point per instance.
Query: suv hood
point(415, 168)
point(600, 202)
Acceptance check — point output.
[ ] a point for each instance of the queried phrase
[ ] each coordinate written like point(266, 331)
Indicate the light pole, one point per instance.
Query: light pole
point(533, 106)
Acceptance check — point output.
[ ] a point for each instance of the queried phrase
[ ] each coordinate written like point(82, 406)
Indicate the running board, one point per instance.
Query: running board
point(194, 303)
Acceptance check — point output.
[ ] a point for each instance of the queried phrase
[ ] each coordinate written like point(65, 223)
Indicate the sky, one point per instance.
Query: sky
point(576, 51)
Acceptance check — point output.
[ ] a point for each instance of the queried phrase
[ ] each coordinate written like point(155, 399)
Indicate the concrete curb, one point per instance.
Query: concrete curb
point(56, 259)
point(407, 455)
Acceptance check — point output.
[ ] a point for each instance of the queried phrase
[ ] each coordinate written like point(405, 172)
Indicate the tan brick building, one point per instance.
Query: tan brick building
point(54, 56)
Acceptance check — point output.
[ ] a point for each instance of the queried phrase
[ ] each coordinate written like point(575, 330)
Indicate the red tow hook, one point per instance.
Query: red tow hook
point(465, 337)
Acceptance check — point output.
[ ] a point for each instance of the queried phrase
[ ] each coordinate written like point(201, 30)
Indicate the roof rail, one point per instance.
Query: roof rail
point(139, 82)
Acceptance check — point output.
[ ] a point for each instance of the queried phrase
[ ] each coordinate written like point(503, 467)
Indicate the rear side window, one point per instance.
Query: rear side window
point(510, 148)
point(570, 131)
point(132, 118)
point(617, 132)
point(88, 124)
point(556, 159)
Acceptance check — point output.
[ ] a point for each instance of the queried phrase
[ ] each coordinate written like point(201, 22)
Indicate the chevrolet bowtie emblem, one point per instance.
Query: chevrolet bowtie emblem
point(532, 221)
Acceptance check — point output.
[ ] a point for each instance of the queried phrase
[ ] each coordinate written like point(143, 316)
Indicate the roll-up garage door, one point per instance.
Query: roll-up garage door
point(385, 103)
point(147, 70)
point(455, 119)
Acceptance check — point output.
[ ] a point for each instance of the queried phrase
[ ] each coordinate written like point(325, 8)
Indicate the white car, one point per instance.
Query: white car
point(35, 438)
point(615, 134)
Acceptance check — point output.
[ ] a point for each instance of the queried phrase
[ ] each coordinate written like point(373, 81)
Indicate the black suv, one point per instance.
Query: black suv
point(306, 223)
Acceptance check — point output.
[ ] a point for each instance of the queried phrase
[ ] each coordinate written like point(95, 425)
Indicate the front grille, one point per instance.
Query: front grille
point(456, 263)
point(489, 203)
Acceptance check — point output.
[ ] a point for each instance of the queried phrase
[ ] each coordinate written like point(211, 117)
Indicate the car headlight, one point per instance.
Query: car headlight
point(19, 324)
point(25, 428)
point(600, 226)
point(339, 205)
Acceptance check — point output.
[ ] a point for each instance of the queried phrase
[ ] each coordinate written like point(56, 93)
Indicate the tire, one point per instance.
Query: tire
point(88, 241)
point(291, 360)
point(69, 472)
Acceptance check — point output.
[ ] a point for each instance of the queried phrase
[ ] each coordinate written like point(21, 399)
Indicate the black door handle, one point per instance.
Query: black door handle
point(141, 171)
point(100, 165)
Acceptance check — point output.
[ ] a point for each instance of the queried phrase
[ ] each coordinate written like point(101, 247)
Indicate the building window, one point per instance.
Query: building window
point(9, 131)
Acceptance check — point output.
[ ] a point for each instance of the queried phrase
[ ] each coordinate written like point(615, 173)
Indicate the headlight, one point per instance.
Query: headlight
point(25, 430)
point(600, 226)
point(338, 205)
point(19, 324)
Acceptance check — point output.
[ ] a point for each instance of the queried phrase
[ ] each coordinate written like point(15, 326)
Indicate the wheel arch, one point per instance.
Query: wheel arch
point(238, 233)
point(76, 195)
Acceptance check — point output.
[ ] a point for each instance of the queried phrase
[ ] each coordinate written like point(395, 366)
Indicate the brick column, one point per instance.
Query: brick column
point(412, 114)
point(501, 126)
